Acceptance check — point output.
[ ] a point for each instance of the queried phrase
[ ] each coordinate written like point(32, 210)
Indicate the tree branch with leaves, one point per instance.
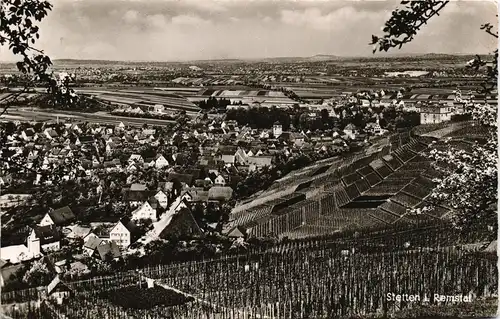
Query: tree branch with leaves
point(19, 31)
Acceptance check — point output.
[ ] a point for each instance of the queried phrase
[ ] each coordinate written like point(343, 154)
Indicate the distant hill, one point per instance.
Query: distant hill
point(323, 57)
point(315, 58)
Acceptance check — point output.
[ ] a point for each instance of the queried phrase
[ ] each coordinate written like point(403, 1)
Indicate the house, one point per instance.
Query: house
point(228, 156)
point(365, 103)
point(86, 140)
point(138, 187)
point(260, 161)
point(58, 290)
point(236, 232)
point(110, 147)
point(160, 162)
point(124, 233)
point(186, 196)
point(374, 128)
point(182, 224)
point(90, 246)
point(180, 158)
point(198, 195)
point(48, 237)
point(16, 254)
point(135, 158)
point(144, 211)
point(101, 231)
point(240, 157)
point(109, 251)
point(28, 134)
point(136, 194)
point(76, 128)
point(220, 193)
point(131, 167)
point(184, 179)
point(8, 271)
point(76, 232)
point(120, 126)
point(162, 199)
point(277, 130)
point(434, 114)
point(183, 203)
point(50, 133)
point(158, 108)
point(148, 132)
point(202, 182)
point(219, 180)
point(149, 162)
point(59, 217)
point(113, 165)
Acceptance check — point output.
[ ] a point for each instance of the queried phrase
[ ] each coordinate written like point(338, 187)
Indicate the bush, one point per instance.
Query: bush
point(146, 115)
point(461, 117)
point(137, 297)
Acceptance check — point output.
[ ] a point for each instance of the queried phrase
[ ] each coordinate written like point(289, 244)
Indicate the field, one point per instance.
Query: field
point(144, 97)
point(325, 88)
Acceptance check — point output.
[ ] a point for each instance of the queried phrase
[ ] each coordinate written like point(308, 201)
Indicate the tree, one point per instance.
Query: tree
point(469, 185)
point(18, 30)
point(38, 274)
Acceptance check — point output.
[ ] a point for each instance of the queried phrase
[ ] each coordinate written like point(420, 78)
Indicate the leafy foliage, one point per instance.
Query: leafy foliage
point(403, 25)
point(18, 30)
point(145, 298)
point(38, 274)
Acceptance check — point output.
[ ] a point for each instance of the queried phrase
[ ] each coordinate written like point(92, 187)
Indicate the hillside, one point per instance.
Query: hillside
point(373, 189)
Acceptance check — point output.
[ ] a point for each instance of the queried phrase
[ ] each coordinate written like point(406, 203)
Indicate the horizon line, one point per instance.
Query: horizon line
point(376, 55)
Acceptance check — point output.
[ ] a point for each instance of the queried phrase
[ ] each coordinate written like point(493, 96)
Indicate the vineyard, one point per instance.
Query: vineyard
point(310, 280)
point(366, 190)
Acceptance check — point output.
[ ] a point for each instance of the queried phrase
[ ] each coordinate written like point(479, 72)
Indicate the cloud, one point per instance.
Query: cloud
point(131, 16)
point(207, 5)
point(156, 21)
point(189, 20)
point(343, 18)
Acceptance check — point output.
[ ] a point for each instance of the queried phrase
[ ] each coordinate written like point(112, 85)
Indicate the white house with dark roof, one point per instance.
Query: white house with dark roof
point(61, 216)
point(58, 290)
point(160, 162)
point(162, 199)
point(48, 237)
point(123, 233)
point(144, 211)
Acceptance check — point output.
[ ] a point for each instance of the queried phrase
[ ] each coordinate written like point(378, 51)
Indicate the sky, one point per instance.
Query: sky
point(180, 30)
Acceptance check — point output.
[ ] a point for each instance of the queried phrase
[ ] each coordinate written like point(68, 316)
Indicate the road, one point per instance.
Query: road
point(98, 117)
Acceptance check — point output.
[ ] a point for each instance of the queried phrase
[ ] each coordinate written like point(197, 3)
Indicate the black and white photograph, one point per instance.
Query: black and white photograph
point(244, 159)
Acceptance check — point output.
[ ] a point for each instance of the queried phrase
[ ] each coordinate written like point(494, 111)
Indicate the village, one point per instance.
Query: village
point(152, 180)
point(148, 183)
